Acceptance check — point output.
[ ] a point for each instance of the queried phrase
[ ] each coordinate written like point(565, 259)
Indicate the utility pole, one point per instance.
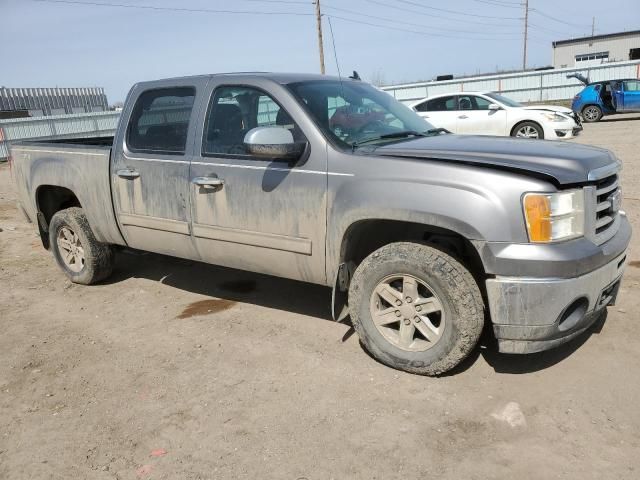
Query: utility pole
point(319, 27)
point(593, 26)
point(526, 28)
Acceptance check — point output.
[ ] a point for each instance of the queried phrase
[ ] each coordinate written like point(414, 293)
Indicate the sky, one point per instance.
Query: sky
point(85, 43)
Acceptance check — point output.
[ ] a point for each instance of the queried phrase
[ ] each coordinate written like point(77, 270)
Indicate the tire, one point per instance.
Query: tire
point(534, 129)
point(591, 113)
point(438, 276)
point(69, 232)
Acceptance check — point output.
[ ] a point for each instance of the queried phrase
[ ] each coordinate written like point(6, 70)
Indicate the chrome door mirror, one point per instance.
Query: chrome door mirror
point(494, 106)
point(273, 142)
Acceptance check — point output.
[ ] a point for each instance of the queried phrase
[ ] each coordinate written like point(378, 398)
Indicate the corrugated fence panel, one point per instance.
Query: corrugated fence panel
point(523, 87)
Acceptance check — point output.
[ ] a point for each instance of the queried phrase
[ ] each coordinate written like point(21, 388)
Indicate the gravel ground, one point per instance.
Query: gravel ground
point(178, 370)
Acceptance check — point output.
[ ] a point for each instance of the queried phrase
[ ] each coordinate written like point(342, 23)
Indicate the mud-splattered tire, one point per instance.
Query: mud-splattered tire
point(443, 284)
point(82, 258)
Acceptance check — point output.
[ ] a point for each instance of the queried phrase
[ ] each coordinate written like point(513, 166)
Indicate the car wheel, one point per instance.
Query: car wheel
point(528, 130)
point(415, 308)
point(82, 258)
point(591, 113)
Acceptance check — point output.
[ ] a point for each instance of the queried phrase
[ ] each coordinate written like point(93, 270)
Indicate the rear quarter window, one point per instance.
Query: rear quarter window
point(160, 121)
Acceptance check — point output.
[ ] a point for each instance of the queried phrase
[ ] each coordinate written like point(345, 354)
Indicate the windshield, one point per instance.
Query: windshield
point(504, 100)
point(352, 112)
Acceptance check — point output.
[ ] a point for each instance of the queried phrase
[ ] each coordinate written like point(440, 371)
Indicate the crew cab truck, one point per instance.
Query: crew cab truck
point(422, 235)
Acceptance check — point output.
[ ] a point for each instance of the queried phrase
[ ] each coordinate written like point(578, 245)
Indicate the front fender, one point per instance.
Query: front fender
point(479, 204)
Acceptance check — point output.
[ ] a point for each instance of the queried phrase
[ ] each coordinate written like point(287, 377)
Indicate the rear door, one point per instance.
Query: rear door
point(150, 168)
point(441, 112)
point(630, 96)
point(475, 118)
point(266, 215)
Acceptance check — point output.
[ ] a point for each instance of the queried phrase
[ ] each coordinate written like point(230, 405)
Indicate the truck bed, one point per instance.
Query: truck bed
point(79, 165)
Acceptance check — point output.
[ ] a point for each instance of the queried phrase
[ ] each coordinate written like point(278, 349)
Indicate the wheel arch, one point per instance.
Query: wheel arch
point(363, 237)
point(50, 199)
point(520, 122)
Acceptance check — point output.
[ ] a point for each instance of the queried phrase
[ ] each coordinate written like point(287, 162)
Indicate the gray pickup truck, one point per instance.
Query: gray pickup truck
point(421, 234)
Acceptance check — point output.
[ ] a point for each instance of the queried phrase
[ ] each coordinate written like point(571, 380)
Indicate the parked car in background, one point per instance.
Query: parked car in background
point(488, 113)
point(608, 97)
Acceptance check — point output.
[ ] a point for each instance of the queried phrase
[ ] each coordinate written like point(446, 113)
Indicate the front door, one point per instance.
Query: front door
point(630, 96)
point(254, 213)
point(475, 118)
point(150, 171)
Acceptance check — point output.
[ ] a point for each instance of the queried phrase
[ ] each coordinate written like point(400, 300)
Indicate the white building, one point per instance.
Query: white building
point(588, 51)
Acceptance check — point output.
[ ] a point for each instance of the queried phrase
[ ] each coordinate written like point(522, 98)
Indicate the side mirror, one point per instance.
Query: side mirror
point(494, 106)
point(273, 142)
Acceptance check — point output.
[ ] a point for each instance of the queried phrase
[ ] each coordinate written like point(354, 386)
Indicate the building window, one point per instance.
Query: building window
point(602, 56)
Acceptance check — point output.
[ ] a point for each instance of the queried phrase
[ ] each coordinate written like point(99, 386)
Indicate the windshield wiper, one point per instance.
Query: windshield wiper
point(401, 134)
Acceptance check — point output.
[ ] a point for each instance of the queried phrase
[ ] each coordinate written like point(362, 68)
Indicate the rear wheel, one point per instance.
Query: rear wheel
point(528, 130)
point(82, 258)
point(415, 308)
point(591, 113)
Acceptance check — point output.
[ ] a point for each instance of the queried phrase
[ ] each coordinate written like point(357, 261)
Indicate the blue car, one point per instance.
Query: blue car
point(598, 99)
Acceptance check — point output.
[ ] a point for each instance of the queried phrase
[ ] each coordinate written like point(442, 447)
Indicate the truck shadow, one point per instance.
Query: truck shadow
point(225, 283)
point(230, 286)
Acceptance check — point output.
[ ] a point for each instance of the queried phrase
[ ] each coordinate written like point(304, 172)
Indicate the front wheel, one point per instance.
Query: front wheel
point(528, 130)
point(82, 258)
point(591, 113)
point(416, 308)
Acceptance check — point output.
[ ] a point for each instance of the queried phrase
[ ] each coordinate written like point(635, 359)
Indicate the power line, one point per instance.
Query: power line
point(182, 9)
point(499, 4)
point(431, 15)
point(417, 32)
point(420, 25)
point(455, 12)
point(534, 10)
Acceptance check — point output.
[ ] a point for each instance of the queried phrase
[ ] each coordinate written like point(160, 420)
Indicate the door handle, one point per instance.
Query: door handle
point(210, 183)
point(463, 116)
point(128, 173)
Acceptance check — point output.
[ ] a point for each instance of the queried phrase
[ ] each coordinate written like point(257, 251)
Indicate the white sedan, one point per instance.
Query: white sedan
point(487, 113)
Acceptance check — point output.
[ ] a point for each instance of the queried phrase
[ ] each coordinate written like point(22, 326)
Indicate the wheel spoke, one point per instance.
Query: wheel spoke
point(405, 334)
point(68, 257)
point(64, 243)
point(429, 305)
point(426, 328)
point(385, 317)
point(410, 289)
point(388, 293)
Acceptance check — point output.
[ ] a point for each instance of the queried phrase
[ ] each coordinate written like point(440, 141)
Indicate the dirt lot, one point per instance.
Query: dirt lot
point(179, 370)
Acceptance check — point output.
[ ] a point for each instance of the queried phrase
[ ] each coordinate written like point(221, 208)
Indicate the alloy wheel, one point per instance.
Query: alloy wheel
point(407, 312)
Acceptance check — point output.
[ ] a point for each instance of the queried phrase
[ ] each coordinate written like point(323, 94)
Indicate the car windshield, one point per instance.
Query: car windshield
point(352, 113)
point(504, 100)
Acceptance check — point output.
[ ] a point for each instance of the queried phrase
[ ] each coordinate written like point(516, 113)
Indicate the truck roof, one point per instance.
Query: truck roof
point(283, 78)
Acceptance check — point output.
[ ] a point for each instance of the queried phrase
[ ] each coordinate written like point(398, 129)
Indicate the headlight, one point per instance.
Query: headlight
point(551, 217)
point(554, 117)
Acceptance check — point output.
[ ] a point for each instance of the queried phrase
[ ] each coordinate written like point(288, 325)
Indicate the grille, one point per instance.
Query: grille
point(607, 205)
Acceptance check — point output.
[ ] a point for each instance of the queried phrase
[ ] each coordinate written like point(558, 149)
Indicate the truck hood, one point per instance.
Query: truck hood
point(564, 163)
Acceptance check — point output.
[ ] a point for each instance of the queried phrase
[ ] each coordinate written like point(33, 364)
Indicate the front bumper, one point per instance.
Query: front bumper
point(562, 130)
point(532, 314)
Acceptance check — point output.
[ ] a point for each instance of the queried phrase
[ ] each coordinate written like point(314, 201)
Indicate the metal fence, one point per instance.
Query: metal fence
point(98, 124)
point(537, 86)
point(53, 101)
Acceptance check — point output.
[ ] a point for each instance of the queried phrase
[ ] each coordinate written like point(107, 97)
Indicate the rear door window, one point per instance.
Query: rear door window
point(160, 121)
point(442, 104)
